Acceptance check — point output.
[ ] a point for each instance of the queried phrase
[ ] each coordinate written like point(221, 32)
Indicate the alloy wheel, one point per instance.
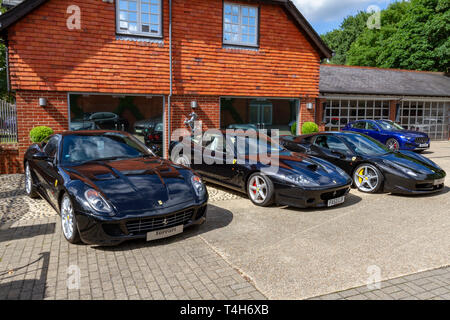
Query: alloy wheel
point(67, 217)
point(257, 189)
point(28, 179)
point(366, 178)
point(392, 144)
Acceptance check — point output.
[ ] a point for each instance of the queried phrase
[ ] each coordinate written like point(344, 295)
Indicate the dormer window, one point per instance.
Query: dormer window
point(240, 25)
point(139, 17)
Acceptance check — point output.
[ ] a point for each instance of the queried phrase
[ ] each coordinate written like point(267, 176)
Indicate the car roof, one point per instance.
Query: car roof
point(90, 132)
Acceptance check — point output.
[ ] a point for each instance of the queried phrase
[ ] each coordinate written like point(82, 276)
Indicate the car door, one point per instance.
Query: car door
point(373, 131)
point(334, 150)
point(47, 171)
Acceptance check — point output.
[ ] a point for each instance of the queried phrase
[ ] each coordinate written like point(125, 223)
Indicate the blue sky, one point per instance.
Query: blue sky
point(326, 15)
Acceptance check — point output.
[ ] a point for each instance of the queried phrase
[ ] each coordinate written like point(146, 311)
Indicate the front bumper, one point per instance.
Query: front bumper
point(108, 231)
point(414, 146)
point(307, 198)
point(400, 185)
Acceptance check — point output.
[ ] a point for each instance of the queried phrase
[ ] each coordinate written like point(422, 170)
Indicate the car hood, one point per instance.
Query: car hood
point(136, 185)
point(415, 162)
point(322, 172)
point(410, 133)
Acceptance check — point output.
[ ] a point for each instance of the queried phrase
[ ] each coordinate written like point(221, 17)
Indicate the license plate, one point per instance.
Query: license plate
point(438, 182)
point(164, 233)
point(138, 131)
point(336, 201)
point(423, 145)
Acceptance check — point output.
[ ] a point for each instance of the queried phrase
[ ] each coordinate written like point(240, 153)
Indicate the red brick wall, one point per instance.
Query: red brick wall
point(30, 115)
point(46, 55)
point(305, 114)
point(10, 161)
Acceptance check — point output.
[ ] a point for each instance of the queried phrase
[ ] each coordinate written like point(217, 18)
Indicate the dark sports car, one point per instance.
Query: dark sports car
point(372, 165)
point(236, 162)
point(108, 187)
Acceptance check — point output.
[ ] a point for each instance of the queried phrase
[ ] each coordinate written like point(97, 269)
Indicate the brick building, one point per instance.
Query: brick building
point(237, 61)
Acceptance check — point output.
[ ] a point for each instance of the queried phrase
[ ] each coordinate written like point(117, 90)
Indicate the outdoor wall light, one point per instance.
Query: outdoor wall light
point(309, 105)
point(42, 102)
point(194, 104)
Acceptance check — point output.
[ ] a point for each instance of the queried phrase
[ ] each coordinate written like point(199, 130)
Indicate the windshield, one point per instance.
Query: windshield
point(110, 145)
point(364, 145)
point(389, 125)
point(253, 145)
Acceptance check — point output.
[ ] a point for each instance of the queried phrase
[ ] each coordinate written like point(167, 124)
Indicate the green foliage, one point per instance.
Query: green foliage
point(38, 134)
point(309, 127)
point(341, 39)
point(294, 128)
point(414, 35)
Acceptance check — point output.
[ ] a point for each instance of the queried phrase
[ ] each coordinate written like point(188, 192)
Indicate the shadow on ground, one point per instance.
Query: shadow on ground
point(27, 288)
point(25, 232)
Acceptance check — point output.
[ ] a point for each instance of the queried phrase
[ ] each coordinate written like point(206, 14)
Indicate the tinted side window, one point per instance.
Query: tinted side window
point(331, 143)
point(371, 126)
point(51, 146)
point(359, 125)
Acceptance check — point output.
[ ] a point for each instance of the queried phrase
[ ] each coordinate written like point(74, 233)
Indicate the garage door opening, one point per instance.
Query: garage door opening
point(338, 112)
point(254, 113)
point(431, 117)
point(138, 115)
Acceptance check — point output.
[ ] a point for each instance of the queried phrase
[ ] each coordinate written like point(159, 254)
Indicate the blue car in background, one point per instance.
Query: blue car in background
point(394, 136)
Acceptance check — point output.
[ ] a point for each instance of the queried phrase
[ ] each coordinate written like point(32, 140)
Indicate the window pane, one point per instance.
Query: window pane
point(145, 18)
point(132, 6)
point(154, 19)
point(132, 17)
point(123, 15)
point(145, 28)
point(132, 27)
point(240, 24)
point(145, 7)
point(123, 5)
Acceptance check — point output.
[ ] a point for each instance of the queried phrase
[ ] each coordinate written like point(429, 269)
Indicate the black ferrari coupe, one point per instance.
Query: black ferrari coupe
point(236, 161)
point(109, 187)
point(373, 166)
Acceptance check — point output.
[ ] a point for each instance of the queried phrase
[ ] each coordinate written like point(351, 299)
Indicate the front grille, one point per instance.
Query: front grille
point(333, 194)
point(145, 225)
point(421, 140)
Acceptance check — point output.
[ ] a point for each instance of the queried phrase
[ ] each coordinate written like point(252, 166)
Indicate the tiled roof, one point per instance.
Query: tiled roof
point(366, 80)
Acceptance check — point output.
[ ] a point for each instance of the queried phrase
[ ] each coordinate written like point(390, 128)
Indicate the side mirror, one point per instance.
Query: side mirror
point(42, 156)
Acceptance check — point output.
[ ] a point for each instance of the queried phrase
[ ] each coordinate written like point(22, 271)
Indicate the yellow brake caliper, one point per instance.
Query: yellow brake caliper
point(361, 173)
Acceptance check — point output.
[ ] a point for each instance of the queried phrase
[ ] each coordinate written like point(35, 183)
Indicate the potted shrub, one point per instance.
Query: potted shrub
point(309, 127)
point(38, 134)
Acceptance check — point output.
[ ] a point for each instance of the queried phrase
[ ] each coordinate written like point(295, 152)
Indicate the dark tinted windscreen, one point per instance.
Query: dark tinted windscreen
point(81, 148)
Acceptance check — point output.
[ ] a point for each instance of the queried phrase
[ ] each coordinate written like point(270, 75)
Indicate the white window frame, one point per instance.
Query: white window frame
point(240, 43)
point(138, 22)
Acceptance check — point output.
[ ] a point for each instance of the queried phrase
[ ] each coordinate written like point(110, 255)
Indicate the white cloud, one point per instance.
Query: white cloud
point(333, 10)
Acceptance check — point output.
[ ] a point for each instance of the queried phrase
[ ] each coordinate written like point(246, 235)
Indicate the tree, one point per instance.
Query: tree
point(341, 39)
point(413, 35)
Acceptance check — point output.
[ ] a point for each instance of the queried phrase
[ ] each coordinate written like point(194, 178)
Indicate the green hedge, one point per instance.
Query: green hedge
point(38, 134)
point(309, 127)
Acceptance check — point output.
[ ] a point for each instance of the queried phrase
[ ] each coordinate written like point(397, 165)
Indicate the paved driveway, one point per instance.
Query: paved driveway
point(292, 253)
point(242, 252)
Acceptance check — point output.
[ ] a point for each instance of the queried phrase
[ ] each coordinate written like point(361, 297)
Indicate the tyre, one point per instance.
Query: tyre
point(260, 189)
point(182, 159)
point(392, 144)
point(68, 220)
point(367, 178)
point(30, 189)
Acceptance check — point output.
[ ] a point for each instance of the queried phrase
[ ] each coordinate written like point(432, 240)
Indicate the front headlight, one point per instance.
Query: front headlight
point(301, 180)
point(97, 202)
point(198, 185)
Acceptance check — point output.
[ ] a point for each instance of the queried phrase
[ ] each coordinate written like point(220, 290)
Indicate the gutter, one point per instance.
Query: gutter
point(169, 100)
